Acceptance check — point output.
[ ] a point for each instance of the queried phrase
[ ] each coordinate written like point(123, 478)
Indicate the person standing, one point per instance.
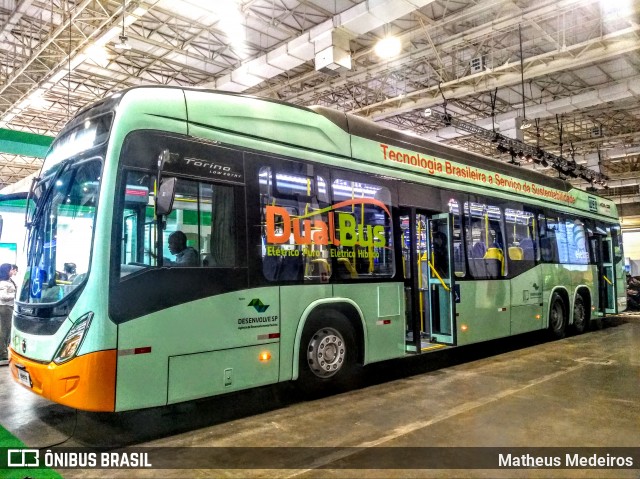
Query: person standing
point(7, 297)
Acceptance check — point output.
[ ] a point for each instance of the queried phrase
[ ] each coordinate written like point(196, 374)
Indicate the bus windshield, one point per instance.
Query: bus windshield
point(61, 232)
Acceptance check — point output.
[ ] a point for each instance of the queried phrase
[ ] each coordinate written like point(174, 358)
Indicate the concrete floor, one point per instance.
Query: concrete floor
point(582, 391)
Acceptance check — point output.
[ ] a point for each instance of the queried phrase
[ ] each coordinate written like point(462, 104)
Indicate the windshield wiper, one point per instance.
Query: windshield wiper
point(41, 206)
point(44, 197)
point(34, 183)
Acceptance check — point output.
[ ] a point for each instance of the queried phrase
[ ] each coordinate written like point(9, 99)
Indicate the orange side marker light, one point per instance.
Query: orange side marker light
point(264, 356)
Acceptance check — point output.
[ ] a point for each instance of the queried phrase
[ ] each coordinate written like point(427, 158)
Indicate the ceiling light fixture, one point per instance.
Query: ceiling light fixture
point(124, 44)
point(124, 40)
point(388, 47)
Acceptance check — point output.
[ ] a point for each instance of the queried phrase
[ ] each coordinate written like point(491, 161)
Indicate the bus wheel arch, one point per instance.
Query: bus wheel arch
point(581, 310)
point(558, 313)
point(330, 349)
point(355, 319)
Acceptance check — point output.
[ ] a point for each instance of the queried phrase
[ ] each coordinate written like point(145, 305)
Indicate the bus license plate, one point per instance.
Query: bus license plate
point(24, 377)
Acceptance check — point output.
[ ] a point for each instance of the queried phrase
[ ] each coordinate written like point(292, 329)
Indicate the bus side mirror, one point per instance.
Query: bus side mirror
point(166, 194)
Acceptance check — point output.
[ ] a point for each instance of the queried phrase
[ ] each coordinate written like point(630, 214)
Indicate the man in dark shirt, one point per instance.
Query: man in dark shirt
point(185, 255)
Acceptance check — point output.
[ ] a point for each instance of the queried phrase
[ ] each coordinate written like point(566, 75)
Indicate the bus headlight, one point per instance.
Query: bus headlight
point(73, 339)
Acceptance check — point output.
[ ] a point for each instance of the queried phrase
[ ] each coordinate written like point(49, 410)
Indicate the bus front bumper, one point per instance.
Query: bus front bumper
point(86, 382)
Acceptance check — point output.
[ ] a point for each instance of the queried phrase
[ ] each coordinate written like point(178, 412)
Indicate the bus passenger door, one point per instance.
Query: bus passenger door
point(413, 226)
point(440, 284)
point(608, 276)
point(603, 248)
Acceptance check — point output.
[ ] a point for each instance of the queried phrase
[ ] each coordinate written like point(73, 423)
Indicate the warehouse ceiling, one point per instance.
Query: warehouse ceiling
point(577, 81)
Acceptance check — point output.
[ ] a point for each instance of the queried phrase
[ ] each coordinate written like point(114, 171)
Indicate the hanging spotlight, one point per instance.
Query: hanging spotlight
point(124, 43)
point(526, 124)
point(124, 40)
point(525, 152)
point(565, 166)
point(513, 157)
point(540, 159)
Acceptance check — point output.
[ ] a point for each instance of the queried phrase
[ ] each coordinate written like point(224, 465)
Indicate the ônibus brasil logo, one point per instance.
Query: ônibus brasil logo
point(259, 305)
point(23, 458)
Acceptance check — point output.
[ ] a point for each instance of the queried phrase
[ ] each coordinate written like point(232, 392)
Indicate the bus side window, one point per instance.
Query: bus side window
point(485, 240)
point(184, 220)
point(293, 205)
point(458, 239)
point(521, 240)
point(577, 241)
point(138, 225)
point(202, 218)
point(363, 227)
point(548, 239)
point(217, 226)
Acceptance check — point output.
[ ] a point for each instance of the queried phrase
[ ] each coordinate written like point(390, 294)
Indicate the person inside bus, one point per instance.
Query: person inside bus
point(69, 271)
point(440, 254)
point(528, 249)
point(478, 250)
point(185, 255)
point(7, 296)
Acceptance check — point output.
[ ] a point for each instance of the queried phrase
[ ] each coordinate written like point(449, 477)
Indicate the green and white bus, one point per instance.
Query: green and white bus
point(323, 242)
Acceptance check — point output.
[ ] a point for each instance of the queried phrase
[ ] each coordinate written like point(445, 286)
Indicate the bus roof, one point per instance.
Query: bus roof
point(330, 131)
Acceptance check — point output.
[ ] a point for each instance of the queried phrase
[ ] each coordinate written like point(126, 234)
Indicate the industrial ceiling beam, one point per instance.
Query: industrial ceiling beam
point(576, 56)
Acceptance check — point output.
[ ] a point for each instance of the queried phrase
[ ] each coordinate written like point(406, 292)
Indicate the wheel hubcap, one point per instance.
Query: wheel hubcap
point(326, 352)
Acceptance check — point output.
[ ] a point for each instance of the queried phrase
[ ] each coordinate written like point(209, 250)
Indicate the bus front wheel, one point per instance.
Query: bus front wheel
point(557, 319)
point(327, 354)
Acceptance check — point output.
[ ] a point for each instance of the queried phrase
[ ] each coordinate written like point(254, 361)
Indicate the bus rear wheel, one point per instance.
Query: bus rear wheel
point(557, 319)
point(328, 354)
point(580, 318)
